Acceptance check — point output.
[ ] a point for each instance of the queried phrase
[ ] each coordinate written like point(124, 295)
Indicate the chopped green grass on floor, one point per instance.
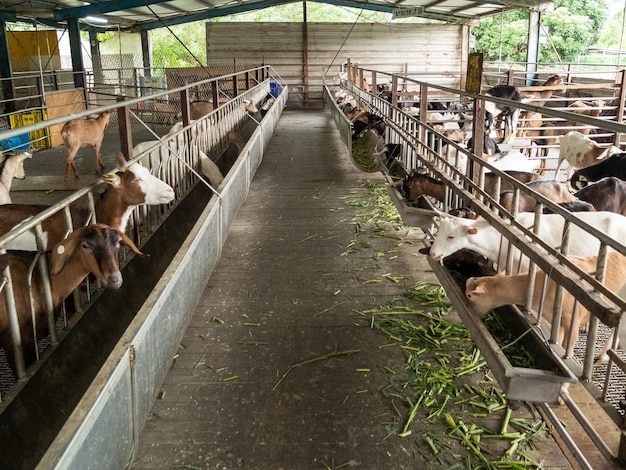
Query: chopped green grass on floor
point(444, 400)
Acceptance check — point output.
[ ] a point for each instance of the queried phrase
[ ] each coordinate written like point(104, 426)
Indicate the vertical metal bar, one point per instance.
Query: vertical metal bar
point(125, 130)
point(6, 71)
point(14, 325)
point(305, 53)
point(45, 284)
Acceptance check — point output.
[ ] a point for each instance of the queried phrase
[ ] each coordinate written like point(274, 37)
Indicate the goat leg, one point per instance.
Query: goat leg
point(99, 162)
point(69, 162)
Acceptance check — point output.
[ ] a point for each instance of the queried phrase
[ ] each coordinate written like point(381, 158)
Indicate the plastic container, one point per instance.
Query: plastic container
point(38, 138)
point(275, 89)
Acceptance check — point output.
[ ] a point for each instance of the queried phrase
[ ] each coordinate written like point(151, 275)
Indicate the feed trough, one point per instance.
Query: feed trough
point(539, 384)
point(411, 216)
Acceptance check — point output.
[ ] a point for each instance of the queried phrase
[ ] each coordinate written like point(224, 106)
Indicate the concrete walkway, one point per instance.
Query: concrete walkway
point(243, 391)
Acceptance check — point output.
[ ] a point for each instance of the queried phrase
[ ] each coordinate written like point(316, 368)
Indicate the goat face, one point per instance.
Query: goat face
point(97, 246)
point(140, 187)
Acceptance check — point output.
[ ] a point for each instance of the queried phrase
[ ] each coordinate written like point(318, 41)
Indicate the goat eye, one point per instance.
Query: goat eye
point(450, 237)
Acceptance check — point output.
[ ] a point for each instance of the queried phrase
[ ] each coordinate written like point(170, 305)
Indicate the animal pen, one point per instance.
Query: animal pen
point(423, 144)
point(129, 379)
point(184, 239)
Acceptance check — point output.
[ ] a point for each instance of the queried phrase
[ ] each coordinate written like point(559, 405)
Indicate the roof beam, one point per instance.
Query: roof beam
point(8, 17)
point(102, 7)
point(214, 13)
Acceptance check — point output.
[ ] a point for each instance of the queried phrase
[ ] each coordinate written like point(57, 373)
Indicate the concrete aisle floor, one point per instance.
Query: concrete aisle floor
point(292, 275)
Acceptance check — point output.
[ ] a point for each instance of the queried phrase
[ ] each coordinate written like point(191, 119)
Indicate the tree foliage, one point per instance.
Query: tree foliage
point(612, 34)
point(183, 46)
point(571, 28)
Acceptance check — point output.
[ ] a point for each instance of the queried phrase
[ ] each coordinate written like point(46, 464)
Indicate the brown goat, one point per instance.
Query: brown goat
point(79, 133)
point(92, 249)
point(553, 190)
point(551, 133)
point(531, 121)
point(126, 188)
point(489, 292)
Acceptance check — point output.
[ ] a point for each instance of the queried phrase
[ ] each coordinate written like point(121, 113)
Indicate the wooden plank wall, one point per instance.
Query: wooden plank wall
point(430, 52)
point(62, 103)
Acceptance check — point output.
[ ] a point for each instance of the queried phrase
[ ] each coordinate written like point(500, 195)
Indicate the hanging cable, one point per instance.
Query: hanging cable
point(202, 66)
point(344, 42)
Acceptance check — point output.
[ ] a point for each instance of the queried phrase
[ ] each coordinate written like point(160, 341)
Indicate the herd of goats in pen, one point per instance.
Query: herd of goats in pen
point(595, 193)
point(90, 248)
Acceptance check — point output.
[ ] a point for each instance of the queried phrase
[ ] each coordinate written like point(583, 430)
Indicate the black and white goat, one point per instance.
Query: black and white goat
point(510, 114)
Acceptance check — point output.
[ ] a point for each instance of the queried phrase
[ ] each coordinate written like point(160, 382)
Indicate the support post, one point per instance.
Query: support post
point(146, 53)
point(6, 72)
point(77, 58)
point(305, 54)
point(126, 134)
point(532, 54)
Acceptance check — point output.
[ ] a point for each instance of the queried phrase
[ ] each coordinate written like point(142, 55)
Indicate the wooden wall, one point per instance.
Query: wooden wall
point(430, 52)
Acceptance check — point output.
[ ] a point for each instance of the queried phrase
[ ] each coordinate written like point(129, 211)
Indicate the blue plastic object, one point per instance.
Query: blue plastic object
point(275, 89)
point(19, 143)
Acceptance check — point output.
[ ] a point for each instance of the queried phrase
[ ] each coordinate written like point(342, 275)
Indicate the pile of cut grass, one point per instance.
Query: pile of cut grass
point(444, 399)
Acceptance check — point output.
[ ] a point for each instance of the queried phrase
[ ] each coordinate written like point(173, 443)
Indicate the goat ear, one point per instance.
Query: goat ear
point(120, 160)
point(63, 250)
point(128, 242)
point(471, 230)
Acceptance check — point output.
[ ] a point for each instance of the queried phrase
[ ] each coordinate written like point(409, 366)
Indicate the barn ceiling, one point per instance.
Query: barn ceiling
point(137, 15)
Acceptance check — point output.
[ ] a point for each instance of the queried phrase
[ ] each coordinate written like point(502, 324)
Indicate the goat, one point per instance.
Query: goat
point(580, 151)
point(573, 206)
point(455, 233)
point(513, 160)
point(521, 176)
point(210, 170)
point(490, 147)
point(510, 114)
point(11, 167)
point(417, 184)
point(553, 190)
point(93, 249)
point(607, 194)
point(236, 139)
point(550, 133)
point(615, 165)
point(531, 121)
point(487, 293)
point(198, 109)
point(602, 356)
point(126, 189)
point(79, 133)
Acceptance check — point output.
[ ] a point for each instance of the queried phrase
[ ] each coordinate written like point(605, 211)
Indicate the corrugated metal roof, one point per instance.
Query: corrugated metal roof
point(137, 15)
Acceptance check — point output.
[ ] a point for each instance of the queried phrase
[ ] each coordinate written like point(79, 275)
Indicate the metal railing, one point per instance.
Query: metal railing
point(178, 164)
point(423, 146)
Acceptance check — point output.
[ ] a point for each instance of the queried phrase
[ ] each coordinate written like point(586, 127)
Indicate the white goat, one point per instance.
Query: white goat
point(580, 151)
point(456, 233)
point(210, 170)
point(11, 167)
